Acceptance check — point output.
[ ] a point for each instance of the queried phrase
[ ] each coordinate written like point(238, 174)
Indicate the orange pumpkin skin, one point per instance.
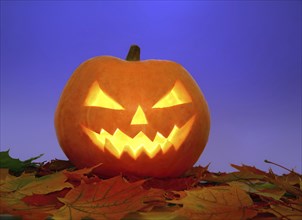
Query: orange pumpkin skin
point(132, 84)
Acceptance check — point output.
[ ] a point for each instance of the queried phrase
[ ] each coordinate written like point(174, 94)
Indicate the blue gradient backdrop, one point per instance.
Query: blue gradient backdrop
point(245, 56)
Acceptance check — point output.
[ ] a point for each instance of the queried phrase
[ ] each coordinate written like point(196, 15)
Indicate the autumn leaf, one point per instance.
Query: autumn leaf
point(249, 169)
point(233, 176)
point(53, 166)
point(260, 188)
point(16, 166)
point(168, 215)
point(217, 202)
point(197, 171)
point(14, 192)
point(292, 179)
point(11, 183)
point(173, 184)
point(292, 210)
point(46, 184)
point(11, 203)
point(57, 190)
point(46, 199)
point(284, 184)
point(77, 176)
point(190, 179)
point(108, 199)
point(5, 176)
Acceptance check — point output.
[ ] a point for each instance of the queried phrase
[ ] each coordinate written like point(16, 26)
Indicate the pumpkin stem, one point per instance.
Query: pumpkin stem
point(134, 53)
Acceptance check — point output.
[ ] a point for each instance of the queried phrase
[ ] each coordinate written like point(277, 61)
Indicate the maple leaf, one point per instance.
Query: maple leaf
point(249, 169)
point(108, 199)
point(168, 215)
point(272, 178)
point(197, 171)
point(292, 178)
point(46, 199)
point(46, 184)
point(284, 184)
point(216, 202)
point(260, 188)
point(53, 166)
point(55, 191)
point(11, 203)
point(84, 174)
point(289, 210)
point(11, 183)
point(14, 192)
point(16, 166)
point(234, 176)
point(244, 173)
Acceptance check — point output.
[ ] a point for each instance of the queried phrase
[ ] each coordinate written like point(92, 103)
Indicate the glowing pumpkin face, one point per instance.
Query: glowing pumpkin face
point(146, 118)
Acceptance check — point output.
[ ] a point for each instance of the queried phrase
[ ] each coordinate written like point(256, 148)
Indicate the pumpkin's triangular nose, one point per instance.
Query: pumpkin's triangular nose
point(139, 117)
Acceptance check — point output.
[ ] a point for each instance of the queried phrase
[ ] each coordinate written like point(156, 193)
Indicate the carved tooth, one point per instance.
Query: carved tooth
point(119, 139)
point(180, 135)
point(159, 138)
point(112, 149)
point(172, 134)
point(94, 137)
point(140, 140)
point(152, 152)
point(166, 146)
point(133, 153)
point(103, 135)
point(162, 142)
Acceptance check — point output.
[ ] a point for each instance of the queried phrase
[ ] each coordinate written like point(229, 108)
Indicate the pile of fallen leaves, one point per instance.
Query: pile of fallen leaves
point(57, 190)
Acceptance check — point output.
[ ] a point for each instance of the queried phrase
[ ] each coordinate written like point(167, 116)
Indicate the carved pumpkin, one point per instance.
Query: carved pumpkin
point(145, 118)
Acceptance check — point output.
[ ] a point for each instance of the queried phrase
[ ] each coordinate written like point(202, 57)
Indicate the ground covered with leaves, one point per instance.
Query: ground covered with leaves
point(57, 190)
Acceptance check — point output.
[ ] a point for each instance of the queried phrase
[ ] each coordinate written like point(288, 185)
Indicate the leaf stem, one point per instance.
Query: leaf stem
point(278, 165)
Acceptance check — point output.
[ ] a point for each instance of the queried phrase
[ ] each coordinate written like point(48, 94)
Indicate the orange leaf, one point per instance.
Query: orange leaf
point(218, 202)
point(77, 176)
point(108, 199)
point(291, 211)
point(11, 203)
point(250, 169)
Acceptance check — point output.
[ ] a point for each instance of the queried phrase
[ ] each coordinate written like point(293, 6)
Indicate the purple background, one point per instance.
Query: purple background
point(245, 56)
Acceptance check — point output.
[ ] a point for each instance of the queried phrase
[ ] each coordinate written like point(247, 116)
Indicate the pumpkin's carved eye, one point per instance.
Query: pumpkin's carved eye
point(177, 96)
point(98, 98)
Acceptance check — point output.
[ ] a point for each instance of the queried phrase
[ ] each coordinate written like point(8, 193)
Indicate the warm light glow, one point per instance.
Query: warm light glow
point(98, 98)
point(119, 142)
point(139, 117)
point(178, 95)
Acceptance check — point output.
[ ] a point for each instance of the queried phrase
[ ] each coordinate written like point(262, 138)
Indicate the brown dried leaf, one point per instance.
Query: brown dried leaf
point(11, 183)
point(284, 184)
point(198, 171)
point(249, 169)
point(260, 188)
point(53, 166)
point(228, 177)
point(46, 184)
point(164, 215)
point(218, 202)
point(5, 176)
point(290, 211)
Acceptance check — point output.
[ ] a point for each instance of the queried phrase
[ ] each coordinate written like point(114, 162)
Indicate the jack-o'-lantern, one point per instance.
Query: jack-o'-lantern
point(144, 118)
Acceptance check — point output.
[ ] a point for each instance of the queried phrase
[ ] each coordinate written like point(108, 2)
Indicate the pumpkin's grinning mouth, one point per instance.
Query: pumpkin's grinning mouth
point(119, 142)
